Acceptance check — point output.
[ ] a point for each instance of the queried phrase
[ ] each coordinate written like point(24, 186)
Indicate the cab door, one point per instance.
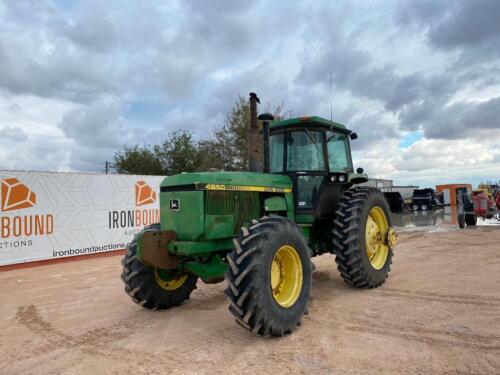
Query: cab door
point(339, 152)
point(305, 163)
point(339, 164)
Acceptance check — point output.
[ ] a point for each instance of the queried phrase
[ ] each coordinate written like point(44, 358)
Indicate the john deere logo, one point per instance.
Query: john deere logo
point(144, 194)
point(175, 205)
point(16, 195)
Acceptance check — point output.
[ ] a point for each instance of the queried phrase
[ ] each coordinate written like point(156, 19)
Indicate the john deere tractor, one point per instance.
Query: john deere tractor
point(259, 230)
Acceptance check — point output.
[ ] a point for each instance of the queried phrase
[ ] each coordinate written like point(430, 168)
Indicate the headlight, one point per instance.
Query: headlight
point(342, 178)
point(333, 178)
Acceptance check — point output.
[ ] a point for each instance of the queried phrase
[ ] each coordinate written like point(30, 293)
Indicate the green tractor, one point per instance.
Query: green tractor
point(258, 231)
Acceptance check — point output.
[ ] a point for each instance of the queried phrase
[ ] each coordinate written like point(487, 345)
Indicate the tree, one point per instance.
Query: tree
point(179, 152)
point(227, 148)
point(137, 160)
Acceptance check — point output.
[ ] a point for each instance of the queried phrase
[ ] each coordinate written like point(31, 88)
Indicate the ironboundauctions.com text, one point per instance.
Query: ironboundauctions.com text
point(88, 250)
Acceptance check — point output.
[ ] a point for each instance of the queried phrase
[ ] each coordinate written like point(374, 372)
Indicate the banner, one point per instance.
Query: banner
point(47, 215)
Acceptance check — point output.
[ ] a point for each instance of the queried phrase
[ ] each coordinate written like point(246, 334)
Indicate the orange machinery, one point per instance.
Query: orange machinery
point(450, 198)
point(451, 192)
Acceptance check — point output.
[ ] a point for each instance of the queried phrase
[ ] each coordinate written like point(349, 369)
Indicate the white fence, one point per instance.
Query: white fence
point(48, 215)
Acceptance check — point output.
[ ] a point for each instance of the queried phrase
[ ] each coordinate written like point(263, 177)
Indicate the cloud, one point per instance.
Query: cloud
point(471, 27)
point(354, 70)
point(49, 154)
point(463, 119)
point(80, 80)
point(96, 125)
point(97, 130)
point(12, 133)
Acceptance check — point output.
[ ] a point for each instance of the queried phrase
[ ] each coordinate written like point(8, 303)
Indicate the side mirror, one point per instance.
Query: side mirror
point(353, 136)
point(360, 170)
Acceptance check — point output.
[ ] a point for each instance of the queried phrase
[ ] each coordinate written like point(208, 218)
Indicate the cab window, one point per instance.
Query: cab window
point(305, 151)
point(338, 152)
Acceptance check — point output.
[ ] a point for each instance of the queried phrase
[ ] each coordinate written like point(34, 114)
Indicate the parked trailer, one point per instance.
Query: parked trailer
point(406, 193)
point(424, 199)
point(395, 200)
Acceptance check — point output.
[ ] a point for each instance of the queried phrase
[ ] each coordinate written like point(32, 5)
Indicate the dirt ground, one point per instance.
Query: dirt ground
point(439, 312)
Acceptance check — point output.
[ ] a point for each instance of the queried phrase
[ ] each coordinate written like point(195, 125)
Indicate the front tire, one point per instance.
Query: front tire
point(363, 237)
point(269, 277)
point(461, 220)
point(153, 288)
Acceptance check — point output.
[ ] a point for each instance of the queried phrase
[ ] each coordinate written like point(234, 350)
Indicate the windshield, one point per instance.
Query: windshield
point(305, 151)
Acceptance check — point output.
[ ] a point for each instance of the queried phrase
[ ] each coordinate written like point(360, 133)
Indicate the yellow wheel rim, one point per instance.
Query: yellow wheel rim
point(377, 229)
point(286, 276)
point(170, 284)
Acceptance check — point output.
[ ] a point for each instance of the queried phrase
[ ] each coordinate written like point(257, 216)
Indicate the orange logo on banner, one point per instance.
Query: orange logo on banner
point(144, 194)
point(16, 195)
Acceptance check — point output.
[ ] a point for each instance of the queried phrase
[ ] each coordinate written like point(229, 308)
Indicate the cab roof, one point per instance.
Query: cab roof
point(307, 120)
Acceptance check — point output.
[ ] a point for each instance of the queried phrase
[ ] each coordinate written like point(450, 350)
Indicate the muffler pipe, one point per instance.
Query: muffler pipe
point(254, 147)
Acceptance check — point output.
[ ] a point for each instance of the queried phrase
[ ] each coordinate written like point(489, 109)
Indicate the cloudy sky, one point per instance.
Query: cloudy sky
point(419, 81)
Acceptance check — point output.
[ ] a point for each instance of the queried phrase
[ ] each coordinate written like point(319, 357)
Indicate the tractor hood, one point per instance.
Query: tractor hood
point(215, 205)
point(242, 181)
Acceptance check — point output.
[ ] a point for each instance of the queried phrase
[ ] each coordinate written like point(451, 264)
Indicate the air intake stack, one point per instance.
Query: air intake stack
point(266, 119)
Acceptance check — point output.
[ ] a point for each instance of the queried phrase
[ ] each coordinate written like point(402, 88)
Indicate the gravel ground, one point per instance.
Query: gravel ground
point(439, 312)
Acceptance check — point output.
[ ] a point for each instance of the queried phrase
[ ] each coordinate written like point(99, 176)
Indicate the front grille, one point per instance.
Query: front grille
point(245, 206)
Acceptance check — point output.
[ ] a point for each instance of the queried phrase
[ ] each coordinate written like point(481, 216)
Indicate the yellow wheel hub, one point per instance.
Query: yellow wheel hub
point(378, 237)
point(172, 284)
point(286, 276)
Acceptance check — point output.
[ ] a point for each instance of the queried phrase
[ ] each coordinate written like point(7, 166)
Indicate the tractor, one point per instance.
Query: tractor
point(480, 204)
point(258, 230)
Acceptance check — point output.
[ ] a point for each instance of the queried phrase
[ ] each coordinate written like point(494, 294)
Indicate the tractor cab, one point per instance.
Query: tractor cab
point(315, 153)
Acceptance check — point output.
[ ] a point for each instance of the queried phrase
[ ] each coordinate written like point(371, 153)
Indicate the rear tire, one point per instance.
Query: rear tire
point(471, 220)
point(262, 302)
point(145, 286)
point(351, 226)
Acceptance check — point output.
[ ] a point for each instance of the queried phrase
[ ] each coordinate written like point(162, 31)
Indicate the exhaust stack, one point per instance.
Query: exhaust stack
point(255, 153)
